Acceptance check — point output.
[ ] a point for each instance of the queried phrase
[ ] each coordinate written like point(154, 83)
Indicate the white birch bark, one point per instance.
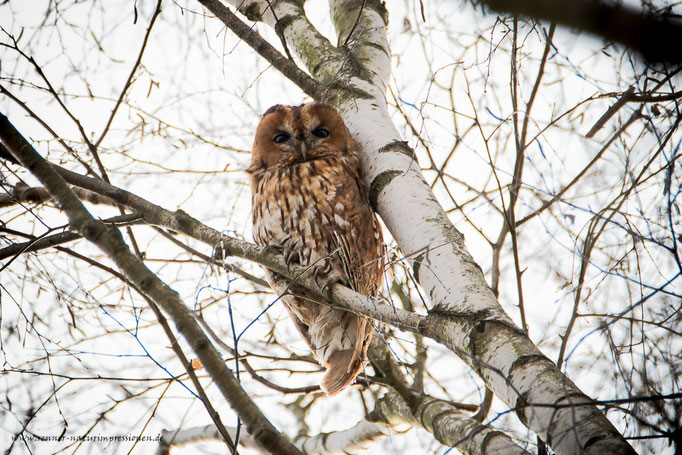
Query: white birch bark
point(347, 441)
point(465, 315)
point(170, 439)
point(450, 426)
point(334, 443)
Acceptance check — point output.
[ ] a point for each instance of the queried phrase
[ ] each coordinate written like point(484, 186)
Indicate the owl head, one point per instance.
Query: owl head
point(288, 135)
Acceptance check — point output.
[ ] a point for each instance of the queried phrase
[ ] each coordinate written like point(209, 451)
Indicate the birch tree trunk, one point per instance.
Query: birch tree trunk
point(464, 315)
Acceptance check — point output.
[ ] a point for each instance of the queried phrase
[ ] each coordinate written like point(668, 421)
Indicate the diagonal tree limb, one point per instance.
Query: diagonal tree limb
point(263, 48)
point(110, 241)
point(465, 316)
point(21, 193)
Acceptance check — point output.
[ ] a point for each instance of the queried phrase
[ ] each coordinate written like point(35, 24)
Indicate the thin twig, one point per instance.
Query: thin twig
point(285, 66)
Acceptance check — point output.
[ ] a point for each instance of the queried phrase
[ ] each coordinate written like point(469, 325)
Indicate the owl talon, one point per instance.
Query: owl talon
point(321, 275)
point(326, 289)
point(321, 272)
point(290, 257)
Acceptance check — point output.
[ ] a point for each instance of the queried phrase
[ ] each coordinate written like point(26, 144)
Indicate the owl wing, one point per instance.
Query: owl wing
point(357, 237)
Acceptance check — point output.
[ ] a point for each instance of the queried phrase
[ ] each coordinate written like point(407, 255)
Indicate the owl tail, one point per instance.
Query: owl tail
point(342, 368)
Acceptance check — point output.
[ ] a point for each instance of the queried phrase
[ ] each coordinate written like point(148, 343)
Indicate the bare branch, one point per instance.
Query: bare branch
point(111, 242)
point(287, 67)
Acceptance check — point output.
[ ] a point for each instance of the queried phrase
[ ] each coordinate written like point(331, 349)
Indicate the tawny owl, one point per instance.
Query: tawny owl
point(310, 203)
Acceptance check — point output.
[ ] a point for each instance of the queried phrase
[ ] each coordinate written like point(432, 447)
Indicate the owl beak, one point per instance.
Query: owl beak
point(302, 148)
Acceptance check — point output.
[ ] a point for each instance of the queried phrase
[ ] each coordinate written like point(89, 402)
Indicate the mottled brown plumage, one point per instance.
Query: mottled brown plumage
point(309, 202)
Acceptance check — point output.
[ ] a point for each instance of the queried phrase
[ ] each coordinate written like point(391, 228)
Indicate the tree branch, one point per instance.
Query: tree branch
point(110, 241)
point(282, 64)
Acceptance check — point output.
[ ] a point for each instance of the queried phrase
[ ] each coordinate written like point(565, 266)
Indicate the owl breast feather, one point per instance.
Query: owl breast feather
point(302, 207)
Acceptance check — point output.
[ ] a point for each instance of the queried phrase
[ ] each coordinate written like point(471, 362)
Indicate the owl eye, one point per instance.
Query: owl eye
point(321, 133)
point(281, 138)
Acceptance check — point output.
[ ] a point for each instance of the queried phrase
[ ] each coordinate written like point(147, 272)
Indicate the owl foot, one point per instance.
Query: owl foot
point(322, 273)
point(326, 289)
point(290, 256)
